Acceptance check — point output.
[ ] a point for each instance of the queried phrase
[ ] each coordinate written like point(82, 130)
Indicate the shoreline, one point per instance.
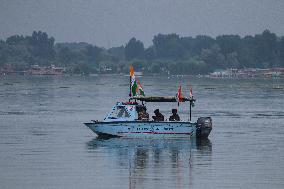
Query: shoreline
point(147, 75)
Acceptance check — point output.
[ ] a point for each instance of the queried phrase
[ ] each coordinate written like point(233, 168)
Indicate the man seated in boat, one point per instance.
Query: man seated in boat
point(158, 116)
point(142, 114)
point(174, 116)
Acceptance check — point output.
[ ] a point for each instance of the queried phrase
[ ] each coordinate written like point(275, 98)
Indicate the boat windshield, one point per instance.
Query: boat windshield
point(121, 112)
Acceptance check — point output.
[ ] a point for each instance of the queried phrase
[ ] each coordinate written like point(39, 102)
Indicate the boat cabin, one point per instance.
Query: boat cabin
point(128, 111)
point(123, 111)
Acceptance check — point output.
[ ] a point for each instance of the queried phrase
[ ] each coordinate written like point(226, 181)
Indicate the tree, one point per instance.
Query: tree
point(118, 52)
point(228, 43)
point(247, 53)
point(150, 53)
point(64, 55)
point(266, 48)
point(169, 52)
point(42, 45)
point(92, 53)
point(134, 49)
point(232, 60)
point(168, 46)
point(213, 57)
point(15, 39)
point(201, 42)
point(281, 51)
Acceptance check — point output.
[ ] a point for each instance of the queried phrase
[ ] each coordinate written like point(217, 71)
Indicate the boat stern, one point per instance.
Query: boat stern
point(203, 127)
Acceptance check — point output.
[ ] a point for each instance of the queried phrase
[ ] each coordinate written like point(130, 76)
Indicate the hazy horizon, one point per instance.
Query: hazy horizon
point(112, 23)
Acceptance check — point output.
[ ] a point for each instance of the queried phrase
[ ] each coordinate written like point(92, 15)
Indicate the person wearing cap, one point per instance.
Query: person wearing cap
point(158, 116)
point(175, 116)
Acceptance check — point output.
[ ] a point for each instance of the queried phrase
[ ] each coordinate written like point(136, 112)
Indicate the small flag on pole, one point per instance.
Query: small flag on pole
point(191, 97)
point(135, 84)
point(140, 88)
point(190, 93)
point(179, 94)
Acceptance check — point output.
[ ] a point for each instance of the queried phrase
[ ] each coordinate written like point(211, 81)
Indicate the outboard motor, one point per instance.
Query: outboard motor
point(203, 127)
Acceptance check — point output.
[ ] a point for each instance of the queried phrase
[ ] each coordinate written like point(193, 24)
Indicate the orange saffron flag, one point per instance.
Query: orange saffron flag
point(179, 94)
point(131, 70)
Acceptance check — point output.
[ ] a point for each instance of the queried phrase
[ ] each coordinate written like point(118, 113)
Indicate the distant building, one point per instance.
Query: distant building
point(47, 70)
point(7, 70)
point(224, 73)
point(106, 69)
point(249, 72)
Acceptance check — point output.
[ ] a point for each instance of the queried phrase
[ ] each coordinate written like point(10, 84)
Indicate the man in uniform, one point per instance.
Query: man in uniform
point(175, 116)
point(158, 116)
point(142, 114)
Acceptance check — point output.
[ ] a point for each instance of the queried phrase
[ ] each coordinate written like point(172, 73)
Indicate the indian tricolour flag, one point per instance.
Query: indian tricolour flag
point(179, 94)
point(134, 86)
point(140, 88)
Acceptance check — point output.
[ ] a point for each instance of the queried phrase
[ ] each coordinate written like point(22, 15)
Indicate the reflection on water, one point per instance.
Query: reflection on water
point(155, 161)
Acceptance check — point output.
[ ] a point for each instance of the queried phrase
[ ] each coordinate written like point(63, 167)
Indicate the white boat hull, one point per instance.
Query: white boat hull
point(143, 129)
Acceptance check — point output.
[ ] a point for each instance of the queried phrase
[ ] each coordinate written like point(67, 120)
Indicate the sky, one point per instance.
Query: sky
point(109, 23)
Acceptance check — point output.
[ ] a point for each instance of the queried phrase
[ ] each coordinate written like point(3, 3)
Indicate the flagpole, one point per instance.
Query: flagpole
point(190, 102)
point(130, 86)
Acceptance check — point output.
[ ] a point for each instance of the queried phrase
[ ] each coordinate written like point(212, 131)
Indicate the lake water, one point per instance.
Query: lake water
point(44, 144)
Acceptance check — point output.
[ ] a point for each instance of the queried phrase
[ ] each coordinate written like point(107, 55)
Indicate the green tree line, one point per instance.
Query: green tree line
point(168, 54)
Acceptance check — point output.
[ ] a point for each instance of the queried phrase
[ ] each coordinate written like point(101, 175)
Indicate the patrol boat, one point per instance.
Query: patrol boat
point(123, 121)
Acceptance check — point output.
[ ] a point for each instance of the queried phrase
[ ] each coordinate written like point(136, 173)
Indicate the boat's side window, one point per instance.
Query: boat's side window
point(121, 112)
